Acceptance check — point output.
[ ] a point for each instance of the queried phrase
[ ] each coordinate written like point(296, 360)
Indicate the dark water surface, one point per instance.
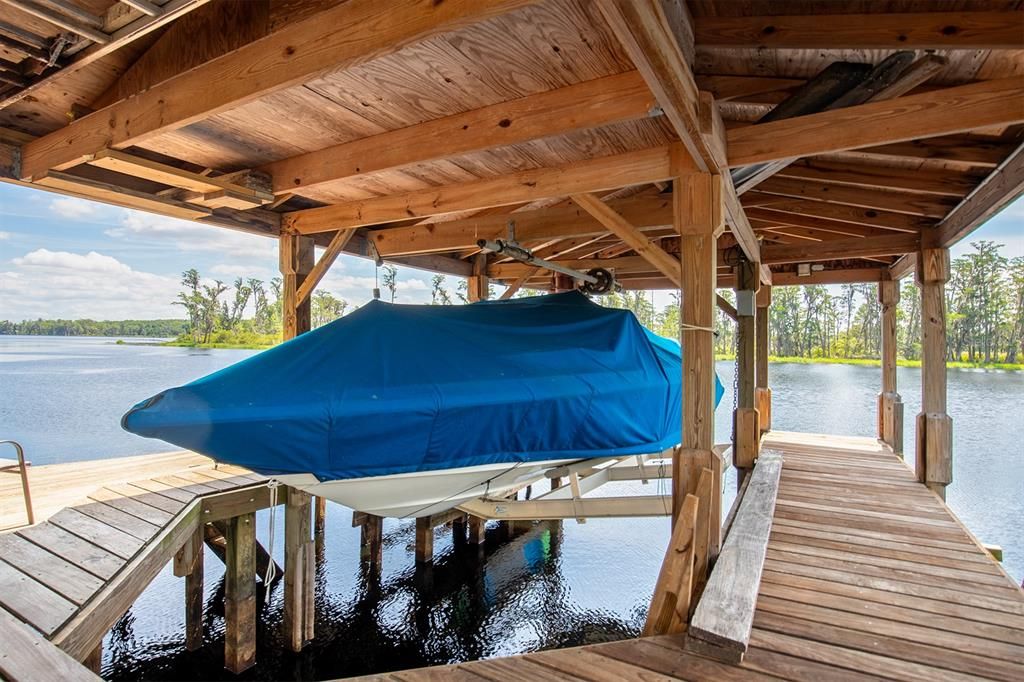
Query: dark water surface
point(557, 585)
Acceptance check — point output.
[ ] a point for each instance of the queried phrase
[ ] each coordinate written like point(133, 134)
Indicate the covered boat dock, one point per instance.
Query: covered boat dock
point(677, 145)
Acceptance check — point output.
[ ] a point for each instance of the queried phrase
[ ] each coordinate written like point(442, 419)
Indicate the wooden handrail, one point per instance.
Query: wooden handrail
point(724, 617)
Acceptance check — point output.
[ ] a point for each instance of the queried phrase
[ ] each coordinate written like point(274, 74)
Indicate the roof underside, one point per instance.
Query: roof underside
point(411, 134)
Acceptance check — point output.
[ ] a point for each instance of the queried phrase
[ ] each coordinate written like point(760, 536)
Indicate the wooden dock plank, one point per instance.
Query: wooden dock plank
point(112, 516)
point(33, 602)
point(25, 655)
point(61, 576)
point(81, 553)
point(98, 533)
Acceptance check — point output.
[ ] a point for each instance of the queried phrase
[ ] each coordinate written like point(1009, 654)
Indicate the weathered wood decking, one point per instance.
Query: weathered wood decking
point(868, 575)
point(68, 578)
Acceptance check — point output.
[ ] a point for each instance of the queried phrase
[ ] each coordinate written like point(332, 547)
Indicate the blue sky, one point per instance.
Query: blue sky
point(62, 257)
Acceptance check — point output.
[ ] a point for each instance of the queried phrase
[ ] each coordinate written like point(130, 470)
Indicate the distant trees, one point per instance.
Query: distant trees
point(158, 329)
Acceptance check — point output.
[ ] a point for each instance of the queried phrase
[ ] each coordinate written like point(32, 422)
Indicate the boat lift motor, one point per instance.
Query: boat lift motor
point(593, 281)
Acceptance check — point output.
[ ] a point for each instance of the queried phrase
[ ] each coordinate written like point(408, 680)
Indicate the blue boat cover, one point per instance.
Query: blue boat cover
point(402, 388)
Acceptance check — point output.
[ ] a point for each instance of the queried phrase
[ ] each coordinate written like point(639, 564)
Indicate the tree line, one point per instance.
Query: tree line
point(147, 328)
point(984, 315)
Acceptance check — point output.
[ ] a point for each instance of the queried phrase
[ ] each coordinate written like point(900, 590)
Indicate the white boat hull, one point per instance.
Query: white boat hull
point(423, 493)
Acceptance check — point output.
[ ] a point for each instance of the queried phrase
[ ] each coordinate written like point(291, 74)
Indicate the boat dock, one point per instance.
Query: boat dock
point(867, 575)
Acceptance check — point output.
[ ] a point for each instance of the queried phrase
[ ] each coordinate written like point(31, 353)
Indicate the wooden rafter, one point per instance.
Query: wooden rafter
point(940, 182)
point(141, 25)
point(643, 30)
point(341, 36)
point(926, 205)
point(929, 30)
point(631, 236)
point(608, 172)
point(895, 244)
point(591, 104)
point(1001, 187)
point(334, 249)
point(939, 112)
point(850, 214)
point(86, 29)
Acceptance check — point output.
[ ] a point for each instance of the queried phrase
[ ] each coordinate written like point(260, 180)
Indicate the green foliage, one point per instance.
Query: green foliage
point(158, 329)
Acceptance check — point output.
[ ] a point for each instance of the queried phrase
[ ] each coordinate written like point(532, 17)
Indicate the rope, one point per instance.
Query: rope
point(271, 569)
point(695, 328)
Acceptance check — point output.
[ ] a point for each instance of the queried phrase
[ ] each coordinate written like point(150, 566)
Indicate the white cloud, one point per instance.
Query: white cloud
point(74, 209)
point(52, 284)
point(184, 235)
point(4, 235)
point(242, 270)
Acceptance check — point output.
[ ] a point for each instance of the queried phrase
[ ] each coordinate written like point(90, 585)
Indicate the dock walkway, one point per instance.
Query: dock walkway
point(67, 579)
point(868, 575)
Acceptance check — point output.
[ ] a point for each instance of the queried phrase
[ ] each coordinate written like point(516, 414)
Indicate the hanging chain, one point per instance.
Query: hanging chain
point(735, 379)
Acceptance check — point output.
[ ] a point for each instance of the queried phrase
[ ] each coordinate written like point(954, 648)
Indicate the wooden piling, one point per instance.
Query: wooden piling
point(189, 562)
point(424, 540)
point(298, 586)
point(934, 426)
point(477, 530)
point(698, 219)
point(94, 661)
point(747, 429)
point(762, 392)
point(240, 594)
point(371, 540)
point(890, 405)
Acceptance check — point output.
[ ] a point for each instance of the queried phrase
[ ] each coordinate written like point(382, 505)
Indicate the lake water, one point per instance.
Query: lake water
point(559, 584)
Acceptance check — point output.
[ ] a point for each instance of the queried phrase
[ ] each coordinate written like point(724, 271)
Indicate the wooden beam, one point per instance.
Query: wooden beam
point(970, 150)
point(722, 623)
point(341, 36)
point(725, 306)
point(644, 212)
point(592, 104)
point(514, 288)
point(938, 112)
point(240, 594)
point(608, 172)
point(296, 262)
point(631, 236)
point(890, 405)
point(900, 222)
point(120, 196)
point(560, 508)
point(904, 266)
point(841, 248)
point(330, 254)
point(768, 219)
point(298, 613)
point(925, 205)
point(997, 191)
point(941, 182)
point(884, 30)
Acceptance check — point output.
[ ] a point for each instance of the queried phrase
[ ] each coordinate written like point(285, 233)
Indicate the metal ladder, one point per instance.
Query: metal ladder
point(8, 465)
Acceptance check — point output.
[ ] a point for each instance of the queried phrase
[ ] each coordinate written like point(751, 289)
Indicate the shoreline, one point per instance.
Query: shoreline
point(874, 362)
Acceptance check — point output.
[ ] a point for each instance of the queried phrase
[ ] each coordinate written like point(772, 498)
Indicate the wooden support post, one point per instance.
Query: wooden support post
point(478, 284)
point(371, 540)
point(424, 540)
point(890, 406)
point(934, 427)
point(701, 533)
point(698, 219)
point(298, 586)
point(191, 565)
point(459, 530)
point(747, 430)
point(477, 530)
point(320, 517)
point(240, 594)
point(94, 661)
point(762, 393)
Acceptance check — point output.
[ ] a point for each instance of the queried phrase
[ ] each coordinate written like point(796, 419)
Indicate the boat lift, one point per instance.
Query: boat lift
point(594, 281)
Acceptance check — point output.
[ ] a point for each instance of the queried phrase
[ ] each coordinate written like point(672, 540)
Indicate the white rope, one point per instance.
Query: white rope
point(695, 328)
point(271, 573)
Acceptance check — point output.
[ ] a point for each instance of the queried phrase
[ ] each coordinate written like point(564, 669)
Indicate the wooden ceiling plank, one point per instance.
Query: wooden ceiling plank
point(1001, 187)
point(767, 217)
point(960, 149)
point(340, 36)
point(591, 104)
point(592, 175)
point(939, 112)
point(885, 30)
point(669, 265)
point(725, 88)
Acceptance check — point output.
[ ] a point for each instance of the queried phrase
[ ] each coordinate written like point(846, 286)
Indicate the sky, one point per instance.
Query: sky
point(62, 257)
